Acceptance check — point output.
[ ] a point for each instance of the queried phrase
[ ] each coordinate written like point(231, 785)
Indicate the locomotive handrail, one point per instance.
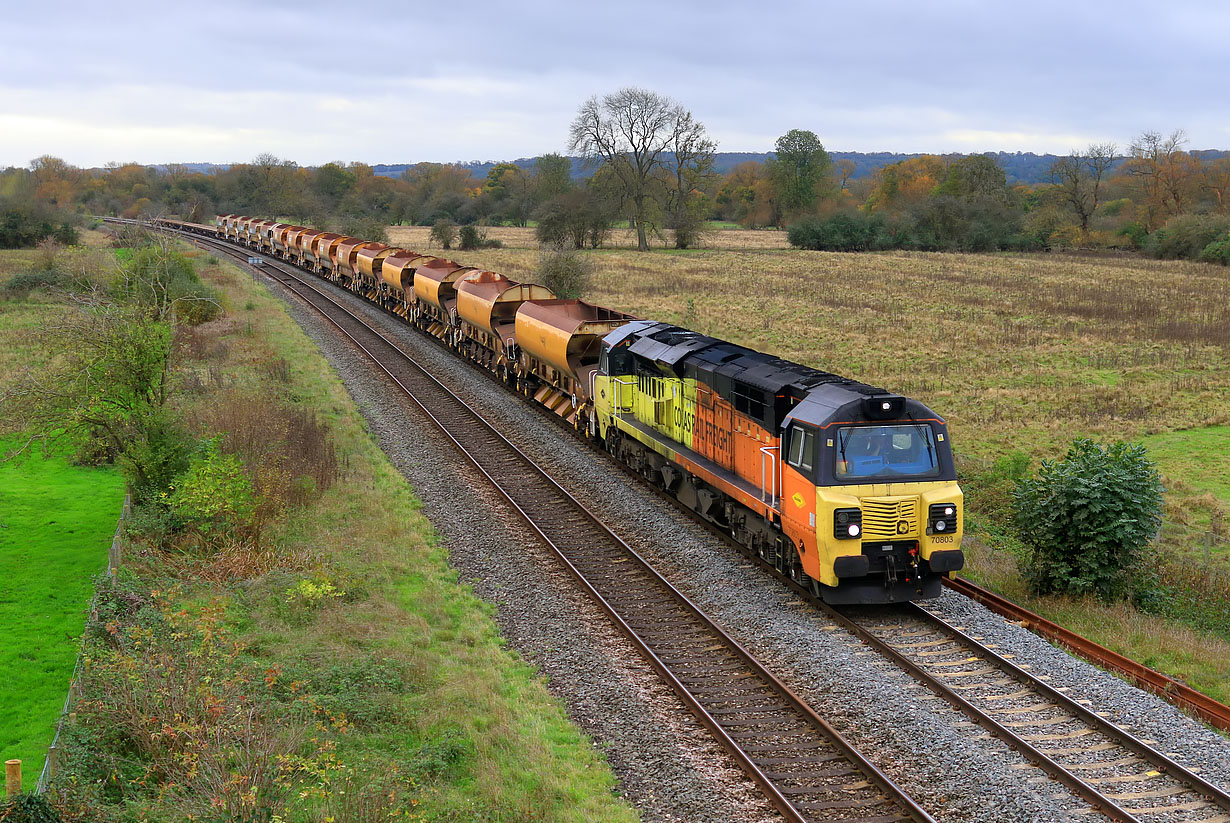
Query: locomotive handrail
point(619, 395)
point(764, 455)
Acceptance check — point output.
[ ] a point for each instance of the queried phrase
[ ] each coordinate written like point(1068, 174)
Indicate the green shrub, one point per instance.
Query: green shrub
point(165, 282)
point(27, 808)
point(371, 229)
point(1186, 236)
point(444, 233)
point(577, 218)
point(1217, 252)
point(20, 286)
point(215, 494)
point(841, 232)
point(473, 237)
point(1088, 519)
point(565, 271)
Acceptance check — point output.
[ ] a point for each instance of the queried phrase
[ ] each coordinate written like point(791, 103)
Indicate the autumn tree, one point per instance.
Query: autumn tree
point(974, 177)
point(907, 183)
point(843, 170)
point(1215, 182)
point(509, 193)
point(55, 181)
point(1163, 174)
point(630, 131)
point(800, 170)
point(1080, 177)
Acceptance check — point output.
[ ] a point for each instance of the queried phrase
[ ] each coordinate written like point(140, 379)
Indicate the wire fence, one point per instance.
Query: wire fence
point(114, 559)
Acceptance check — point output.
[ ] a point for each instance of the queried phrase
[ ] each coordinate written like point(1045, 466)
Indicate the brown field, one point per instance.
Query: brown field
point(1018, 352)
point(415, 237)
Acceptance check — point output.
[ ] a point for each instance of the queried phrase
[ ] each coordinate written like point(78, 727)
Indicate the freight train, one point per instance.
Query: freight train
point(848, 489)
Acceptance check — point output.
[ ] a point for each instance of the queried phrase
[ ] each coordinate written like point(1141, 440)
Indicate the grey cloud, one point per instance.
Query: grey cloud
point(888, 75)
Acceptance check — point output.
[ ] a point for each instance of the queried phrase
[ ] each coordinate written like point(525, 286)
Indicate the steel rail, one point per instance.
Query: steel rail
point(1119, 735)
point(771, 785)
point(1185, 697)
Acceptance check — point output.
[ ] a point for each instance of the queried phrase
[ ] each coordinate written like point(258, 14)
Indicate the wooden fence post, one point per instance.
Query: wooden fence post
point(12, 778)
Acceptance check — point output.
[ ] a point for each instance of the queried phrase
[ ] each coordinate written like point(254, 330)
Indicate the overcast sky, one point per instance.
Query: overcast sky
point(388, 82)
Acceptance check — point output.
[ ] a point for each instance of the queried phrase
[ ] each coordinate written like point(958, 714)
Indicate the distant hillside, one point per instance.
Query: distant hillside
point(1021, 167)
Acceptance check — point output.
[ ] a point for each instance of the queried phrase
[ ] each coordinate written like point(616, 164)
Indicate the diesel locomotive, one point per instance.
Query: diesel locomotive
point(848, 489)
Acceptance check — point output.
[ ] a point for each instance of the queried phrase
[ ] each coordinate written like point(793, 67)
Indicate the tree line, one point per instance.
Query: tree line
point(649, 164)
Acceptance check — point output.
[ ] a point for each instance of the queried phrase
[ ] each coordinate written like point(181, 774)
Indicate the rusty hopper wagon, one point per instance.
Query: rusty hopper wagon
point(560, 342)
point(487, 305)
point(435, 287)
point(846, 488)
point(397, 274)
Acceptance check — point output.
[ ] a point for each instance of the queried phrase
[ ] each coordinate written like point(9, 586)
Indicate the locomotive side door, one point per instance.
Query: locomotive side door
point(799, 493)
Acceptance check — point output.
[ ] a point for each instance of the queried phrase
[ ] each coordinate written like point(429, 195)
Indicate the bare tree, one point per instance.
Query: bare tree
point(630, 131)
point(1080, 176)
point(843, 170)
point(690, 163)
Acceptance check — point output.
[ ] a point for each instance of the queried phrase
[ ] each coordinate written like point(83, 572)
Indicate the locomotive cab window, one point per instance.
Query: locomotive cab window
point(802, 450)
point(885, 453)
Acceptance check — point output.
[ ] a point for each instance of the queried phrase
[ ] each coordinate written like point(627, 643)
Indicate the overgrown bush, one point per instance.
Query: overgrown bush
point(1088, 519)
point(444, 233)
point(215, 494)
point(578, 219)
point(1217, 252)
point(1186, 236)
point(164, 281)
point(857, 231)
point(23, 225)
point(21, 286)
point(27, 808)
point(565, 271)
point(475, 237)
point(371, 229)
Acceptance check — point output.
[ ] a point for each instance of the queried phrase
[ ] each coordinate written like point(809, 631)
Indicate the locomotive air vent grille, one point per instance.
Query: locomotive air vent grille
point(887, 518)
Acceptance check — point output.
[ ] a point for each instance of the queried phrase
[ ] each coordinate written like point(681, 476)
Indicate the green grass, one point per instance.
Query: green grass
point(56, 523)
point(435, 704)
point(1200, 456)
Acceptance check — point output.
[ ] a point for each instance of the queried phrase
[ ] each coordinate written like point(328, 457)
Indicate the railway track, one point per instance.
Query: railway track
point(1206, 708)
point(803, 765)
point(1120, 775)
point(1123, 777)
point(800, 762)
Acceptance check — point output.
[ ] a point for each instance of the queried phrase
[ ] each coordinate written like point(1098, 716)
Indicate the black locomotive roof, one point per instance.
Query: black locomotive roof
point(675, 348)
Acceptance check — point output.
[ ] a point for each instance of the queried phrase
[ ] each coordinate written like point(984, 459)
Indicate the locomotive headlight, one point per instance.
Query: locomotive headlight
point(941, 517)
point(847, 523)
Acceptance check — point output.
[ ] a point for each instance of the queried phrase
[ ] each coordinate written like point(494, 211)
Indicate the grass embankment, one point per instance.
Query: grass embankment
point(337, 670)
point(1021, 353)
point(56, 523)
